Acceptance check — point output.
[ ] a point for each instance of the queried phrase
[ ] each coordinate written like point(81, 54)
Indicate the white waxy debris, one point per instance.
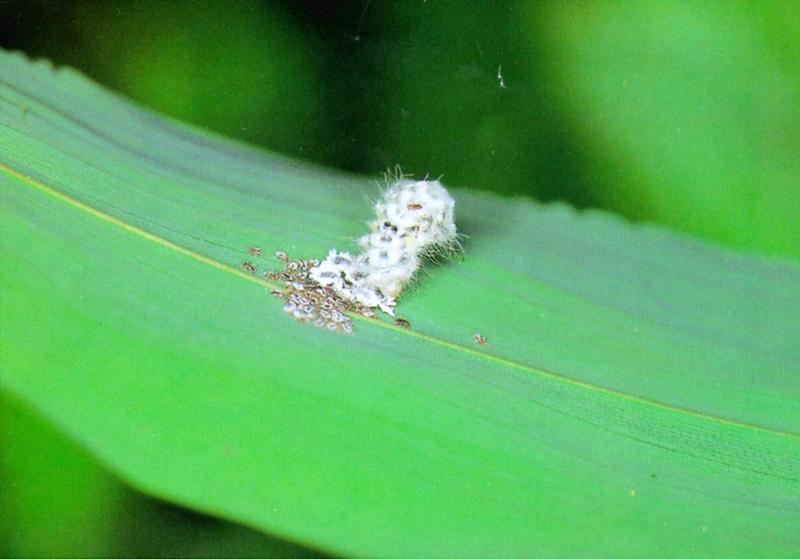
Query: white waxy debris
point(412, 219)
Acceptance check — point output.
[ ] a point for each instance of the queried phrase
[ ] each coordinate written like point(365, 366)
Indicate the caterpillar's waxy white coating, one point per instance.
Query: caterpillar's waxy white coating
point(412, 218)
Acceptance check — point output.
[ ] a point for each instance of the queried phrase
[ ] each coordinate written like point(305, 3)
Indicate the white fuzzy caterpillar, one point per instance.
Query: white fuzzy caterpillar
point(414, 218)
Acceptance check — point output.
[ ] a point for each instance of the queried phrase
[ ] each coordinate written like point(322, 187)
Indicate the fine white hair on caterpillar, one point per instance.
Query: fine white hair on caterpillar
point(413, 219)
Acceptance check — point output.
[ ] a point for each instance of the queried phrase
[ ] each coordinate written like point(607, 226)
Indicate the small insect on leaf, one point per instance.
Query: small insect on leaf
point(480, 340)
point(402, 322)
point(254, 251)
point(249, 267)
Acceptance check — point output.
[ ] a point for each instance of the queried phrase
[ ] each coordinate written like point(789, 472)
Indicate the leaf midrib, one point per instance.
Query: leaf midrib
point(166, 243)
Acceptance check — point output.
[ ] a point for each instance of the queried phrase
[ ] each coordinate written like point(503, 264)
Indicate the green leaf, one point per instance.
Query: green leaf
point(637, 397)
point(689, 109)
point(58, 502)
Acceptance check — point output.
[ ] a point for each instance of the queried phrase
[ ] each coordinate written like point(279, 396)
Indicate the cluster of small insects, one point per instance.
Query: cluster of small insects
point(307, 300)
point(310, 302)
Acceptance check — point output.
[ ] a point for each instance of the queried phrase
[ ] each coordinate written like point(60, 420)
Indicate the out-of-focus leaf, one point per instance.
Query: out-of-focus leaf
point(55, 501)
point(690, 111)
point(242, 67)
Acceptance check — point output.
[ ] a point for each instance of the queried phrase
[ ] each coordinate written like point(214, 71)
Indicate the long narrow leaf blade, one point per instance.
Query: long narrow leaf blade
point(638, 395)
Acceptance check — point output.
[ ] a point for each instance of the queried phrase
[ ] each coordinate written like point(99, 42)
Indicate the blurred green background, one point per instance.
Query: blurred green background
point(680, 113)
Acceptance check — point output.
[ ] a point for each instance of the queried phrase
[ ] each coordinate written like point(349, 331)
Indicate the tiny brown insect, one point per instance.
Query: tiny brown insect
point(254, 251)
point(248, 266)
point(414, 206)
point(282, 256)
point(402, 322)
point(480, 340)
